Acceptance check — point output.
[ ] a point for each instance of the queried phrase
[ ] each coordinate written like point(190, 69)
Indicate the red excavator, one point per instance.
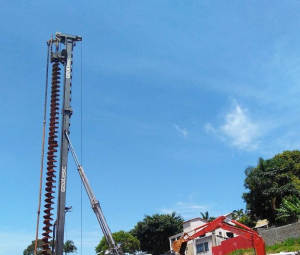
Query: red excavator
point(258, 243)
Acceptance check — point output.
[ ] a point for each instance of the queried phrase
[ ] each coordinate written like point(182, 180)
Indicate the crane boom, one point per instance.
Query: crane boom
point(94, 202)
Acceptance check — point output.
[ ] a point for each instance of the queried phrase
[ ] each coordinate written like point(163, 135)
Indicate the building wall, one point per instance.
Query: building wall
point(192, 224)
point(190, 248)
point(280, 234)
point(206, 239)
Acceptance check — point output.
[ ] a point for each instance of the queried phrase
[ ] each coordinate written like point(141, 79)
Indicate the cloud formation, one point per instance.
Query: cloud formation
point(182, 131)
point(187, 210)
point(238, 129)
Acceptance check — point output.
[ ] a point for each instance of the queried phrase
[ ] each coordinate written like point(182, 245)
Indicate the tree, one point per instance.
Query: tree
point(246, 220)
point(242, 217)
point(271, 181)
point(69, 247)
point(206, 216)
point(153, 231)
point(237, 214)
point(30, 248)
point(289, 210)
point(125, 240)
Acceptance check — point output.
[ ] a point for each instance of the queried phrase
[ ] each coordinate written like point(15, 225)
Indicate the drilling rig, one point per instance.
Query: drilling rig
point(61, 55)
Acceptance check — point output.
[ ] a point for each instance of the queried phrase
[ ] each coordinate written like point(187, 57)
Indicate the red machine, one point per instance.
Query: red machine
point(258, 243)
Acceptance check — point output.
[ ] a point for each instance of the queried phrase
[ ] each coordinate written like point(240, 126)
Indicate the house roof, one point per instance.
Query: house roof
point(261, 223)
point(198, 218)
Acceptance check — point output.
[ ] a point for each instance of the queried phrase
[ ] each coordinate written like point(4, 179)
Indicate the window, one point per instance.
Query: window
point(229, 234)
point(202, 247)
point(206, 246)
point(199, 247)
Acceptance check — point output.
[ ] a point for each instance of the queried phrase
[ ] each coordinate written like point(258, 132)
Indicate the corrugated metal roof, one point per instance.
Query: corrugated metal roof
point(261, 223)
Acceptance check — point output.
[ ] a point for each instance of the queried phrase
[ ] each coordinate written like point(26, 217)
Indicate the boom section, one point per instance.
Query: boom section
point(94, 202)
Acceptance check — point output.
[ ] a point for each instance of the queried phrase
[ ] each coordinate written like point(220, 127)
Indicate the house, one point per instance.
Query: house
point(201, 245)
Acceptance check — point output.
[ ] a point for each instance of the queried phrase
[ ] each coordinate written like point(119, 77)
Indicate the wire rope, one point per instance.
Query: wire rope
point(81, 145)
point(43, 149)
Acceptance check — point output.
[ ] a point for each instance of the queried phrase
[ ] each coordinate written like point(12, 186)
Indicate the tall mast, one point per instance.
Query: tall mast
point(67, 61)
point(64, 57)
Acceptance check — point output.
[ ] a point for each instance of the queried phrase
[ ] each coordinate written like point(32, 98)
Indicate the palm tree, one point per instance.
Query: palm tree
point(69, 247)
point(205, 215)
point(237, 214)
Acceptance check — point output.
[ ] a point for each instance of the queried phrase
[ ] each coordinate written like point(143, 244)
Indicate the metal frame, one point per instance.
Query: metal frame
point(65, 57)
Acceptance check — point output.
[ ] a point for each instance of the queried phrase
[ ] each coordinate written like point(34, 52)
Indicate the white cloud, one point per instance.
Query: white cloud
point(238, 128)
point(182, 131)
point(209, 128)
point(187, 210)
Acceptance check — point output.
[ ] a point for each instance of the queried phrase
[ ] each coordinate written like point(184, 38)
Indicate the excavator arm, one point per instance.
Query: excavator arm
point(258, 243)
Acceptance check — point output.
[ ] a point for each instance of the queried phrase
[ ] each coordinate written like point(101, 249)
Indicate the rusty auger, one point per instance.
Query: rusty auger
point(51, 158)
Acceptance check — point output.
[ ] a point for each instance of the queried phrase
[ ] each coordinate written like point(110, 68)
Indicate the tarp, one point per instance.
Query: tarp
point(261, 223)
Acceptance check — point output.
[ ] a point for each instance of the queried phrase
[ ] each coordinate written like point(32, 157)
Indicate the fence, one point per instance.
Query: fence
point(280, 234)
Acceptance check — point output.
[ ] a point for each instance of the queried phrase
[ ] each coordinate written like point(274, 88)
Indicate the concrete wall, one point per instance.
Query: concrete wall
point(280, 234)
point(190, 249)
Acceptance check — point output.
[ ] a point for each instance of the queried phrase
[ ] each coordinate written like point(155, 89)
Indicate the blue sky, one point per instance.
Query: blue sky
point(178, 98)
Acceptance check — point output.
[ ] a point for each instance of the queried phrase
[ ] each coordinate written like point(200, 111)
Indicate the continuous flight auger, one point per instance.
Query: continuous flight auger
point(51, 156)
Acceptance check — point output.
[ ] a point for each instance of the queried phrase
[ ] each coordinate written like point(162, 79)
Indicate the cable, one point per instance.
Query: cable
point(81, 103)
point(43, 149)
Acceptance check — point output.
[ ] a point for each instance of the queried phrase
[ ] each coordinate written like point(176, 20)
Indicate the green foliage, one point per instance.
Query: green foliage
point(237, 214)
point(274, 247)
point(153, 232)
point(211, 218)
point(243, 218)
point(206, 216)
point(289, 210)
point(246, 220)
point(30, 248)
point(69, 247)
point(290, 244)
point(125, 240)
point(271, 181)
point(242, 252)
